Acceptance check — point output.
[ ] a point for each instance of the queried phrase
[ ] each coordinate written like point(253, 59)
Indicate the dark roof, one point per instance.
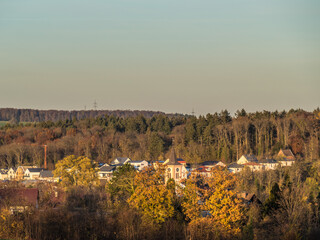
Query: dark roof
point(173, 158)
point(20, 195)
point(209, 163)
point(107, 168)
point(268, 161)
point(35, 169)
point(235, 165)
point(46, 173)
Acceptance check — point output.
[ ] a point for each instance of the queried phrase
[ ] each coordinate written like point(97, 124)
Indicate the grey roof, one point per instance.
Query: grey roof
point(268, 161)
point(235, 165)
point(137, 161)
point(46, 173)
point(107, 168)
point(35, 169)
point(286, 160)
point(173, 158)
point(121, 159)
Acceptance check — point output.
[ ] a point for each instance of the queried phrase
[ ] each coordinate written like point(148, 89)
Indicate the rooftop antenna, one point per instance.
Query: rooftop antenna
point(95, 105)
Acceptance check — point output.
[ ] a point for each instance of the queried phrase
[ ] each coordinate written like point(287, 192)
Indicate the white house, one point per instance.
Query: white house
point(12, 173)
point(32, 173)
point(120, 161)
point(286, 162)
point(247, 158)
point(254, 166)
point(235, 167)
point(211, 164)
point(3, 174)
point(106, 172)
point(269, 164)
point(139, 165)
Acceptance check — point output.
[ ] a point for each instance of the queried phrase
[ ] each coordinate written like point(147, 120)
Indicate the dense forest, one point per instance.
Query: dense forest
point(217, 136)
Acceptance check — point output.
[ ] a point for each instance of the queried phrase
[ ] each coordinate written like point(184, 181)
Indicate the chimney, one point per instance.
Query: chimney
point(45, 156)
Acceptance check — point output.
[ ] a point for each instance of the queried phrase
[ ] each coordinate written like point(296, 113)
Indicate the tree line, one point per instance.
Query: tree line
point(33, 115)
point(217, 136)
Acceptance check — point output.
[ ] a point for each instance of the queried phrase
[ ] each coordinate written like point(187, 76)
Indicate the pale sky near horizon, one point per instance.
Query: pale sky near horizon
point(168, 55)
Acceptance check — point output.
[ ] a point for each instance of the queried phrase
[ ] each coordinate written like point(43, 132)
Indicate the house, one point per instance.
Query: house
point(139, 165)
point(269, 164)
point(248, 198)
point(254, 166)
point(211, 164)
point(247, 158)
point(3, 174)
point(20, 173)
point(120, 161)
point(202, 171)
point(174, 169)
point(286, 154)
point(235, 167)
point(285, 162)
point(47, 175)
point(181, 161)
point(12, 173)
point(19, 199)
point(32, 173)
point(106, 172)
point(157, 163)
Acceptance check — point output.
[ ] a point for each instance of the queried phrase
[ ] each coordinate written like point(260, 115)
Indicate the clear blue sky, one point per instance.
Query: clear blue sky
point(168, 55)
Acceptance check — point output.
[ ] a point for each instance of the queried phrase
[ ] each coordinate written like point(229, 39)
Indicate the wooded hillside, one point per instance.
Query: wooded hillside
point(212, 137)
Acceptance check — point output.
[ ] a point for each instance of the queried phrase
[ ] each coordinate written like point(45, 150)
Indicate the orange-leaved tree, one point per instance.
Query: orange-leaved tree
point(213, 202)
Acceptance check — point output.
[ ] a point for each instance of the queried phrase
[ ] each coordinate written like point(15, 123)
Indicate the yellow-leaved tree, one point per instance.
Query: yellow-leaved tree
point(76, 171)
point(226, 211)
point(151, 196)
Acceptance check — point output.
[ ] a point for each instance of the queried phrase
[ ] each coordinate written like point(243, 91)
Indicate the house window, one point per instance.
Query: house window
point(177, 170)
point(177, 175)
point(169, 175)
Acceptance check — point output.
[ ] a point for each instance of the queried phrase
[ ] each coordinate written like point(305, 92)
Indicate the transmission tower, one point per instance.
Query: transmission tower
point(95, 105)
